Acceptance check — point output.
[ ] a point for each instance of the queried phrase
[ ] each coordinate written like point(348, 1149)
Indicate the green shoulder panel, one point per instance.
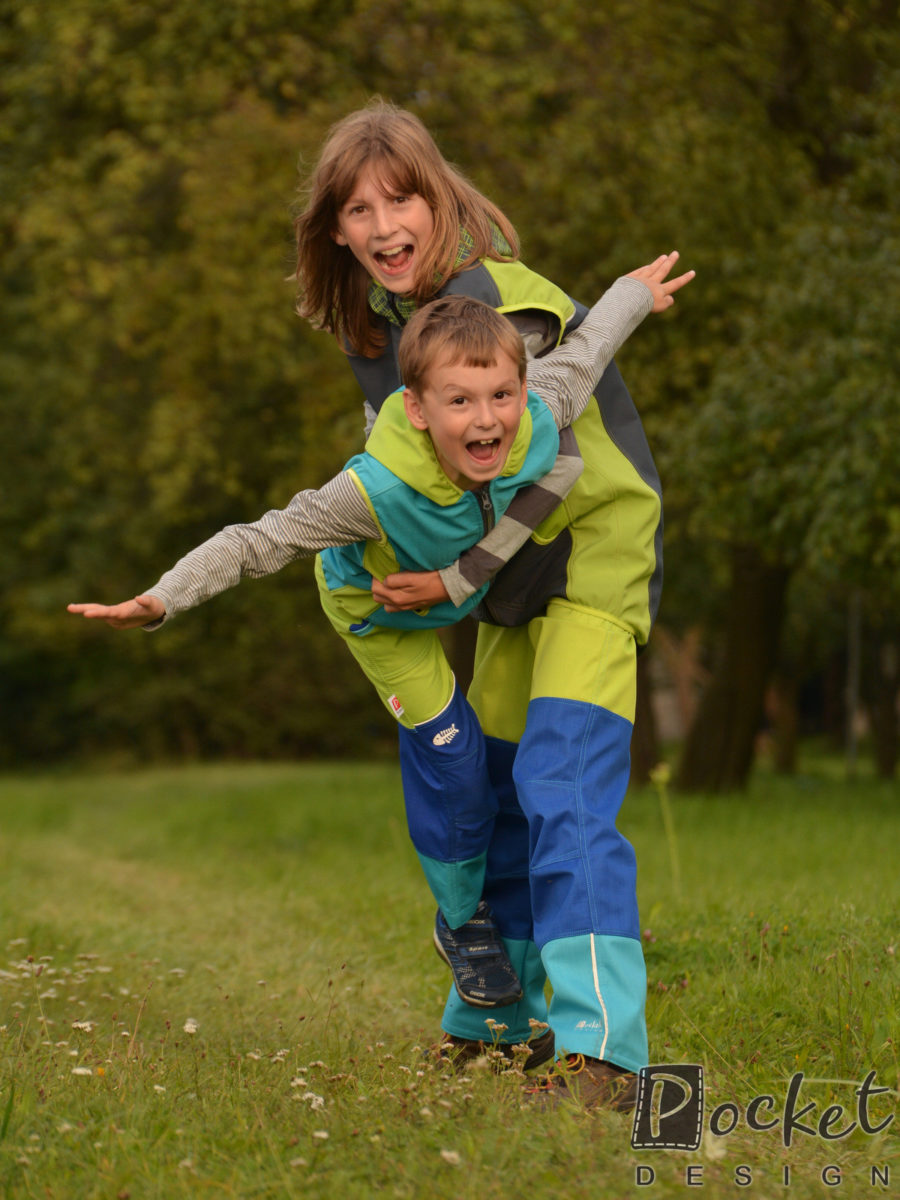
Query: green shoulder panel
point(521, 289)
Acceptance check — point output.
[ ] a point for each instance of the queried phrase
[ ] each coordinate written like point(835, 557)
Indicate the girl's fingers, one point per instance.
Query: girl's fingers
point(674, 284)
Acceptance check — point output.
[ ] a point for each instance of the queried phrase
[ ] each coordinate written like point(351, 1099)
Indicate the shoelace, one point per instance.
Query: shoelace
point(574, 1065)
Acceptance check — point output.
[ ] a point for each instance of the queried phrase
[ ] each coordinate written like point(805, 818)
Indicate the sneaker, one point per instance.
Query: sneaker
point(590, 1082)
point(459, 1052)
point(482, 972)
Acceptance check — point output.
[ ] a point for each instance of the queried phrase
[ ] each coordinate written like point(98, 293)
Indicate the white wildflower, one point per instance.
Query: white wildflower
point(315, 1102)
point(452, 1157)
point(82, 1071)
point(321, 1135)
point(191, 1026)
point(85, 1026)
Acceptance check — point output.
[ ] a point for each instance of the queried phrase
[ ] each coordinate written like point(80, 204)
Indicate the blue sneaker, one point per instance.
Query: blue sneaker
point(482, 972)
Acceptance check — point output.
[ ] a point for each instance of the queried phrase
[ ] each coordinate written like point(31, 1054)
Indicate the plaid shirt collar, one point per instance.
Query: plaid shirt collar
point(398, 309)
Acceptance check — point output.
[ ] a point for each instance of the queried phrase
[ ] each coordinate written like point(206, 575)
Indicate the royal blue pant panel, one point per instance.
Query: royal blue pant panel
point(571, 772)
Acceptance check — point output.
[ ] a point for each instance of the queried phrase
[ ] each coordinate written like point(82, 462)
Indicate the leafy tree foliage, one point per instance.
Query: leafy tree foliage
point(158, 385)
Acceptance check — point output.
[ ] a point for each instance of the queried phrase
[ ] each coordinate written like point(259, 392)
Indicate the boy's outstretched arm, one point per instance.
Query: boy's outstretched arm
point(334, 515)
point(130, 614)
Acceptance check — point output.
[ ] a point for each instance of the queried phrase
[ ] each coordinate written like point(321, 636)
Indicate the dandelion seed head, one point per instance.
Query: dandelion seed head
point(191, 1026)
point(661, 774)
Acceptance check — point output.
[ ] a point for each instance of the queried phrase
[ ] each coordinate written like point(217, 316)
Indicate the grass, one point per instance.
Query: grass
point(218, 981)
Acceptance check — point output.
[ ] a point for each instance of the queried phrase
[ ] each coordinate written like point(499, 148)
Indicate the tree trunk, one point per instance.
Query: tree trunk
point(719, 748)
point(644, 738)
point(784, 720)
point(883, 689)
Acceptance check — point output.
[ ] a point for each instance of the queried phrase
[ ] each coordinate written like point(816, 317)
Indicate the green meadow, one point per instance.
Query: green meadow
point(219, 981)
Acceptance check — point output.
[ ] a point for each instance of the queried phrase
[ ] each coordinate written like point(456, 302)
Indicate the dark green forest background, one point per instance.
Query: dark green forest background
point(156, 383)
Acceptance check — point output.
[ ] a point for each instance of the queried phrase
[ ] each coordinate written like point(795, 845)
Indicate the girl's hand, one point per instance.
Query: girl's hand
point(409, 590)
point(131, 614)
point(654, 276)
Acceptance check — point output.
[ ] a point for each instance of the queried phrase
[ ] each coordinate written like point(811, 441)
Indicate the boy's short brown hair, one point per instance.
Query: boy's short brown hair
point(460, 329)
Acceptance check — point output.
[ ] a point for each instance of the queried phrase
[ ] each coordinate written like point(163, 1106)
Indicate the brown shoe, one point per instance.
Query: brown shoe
point(459, 1052)
point(590, 1082)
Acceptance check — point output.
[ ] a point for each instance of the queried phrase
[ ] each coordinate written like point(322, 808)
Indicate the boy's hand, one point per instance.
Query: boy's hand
point(654, 276)
point(131, 614)
point(408, 590)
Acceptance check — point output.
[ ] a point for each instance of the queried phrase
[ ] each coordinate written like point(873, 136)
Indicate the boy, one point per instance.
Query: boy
point(447, 456)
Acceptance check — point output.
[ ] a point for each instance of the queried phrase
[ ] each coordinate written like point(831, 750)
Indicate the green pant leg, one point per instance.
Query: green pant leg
point(411, 675)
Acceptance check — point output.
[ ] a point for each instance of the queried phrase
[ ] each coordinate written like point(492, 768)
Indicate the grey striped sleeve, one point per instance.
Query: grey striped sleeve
point(333, 515)
point(565, 379)
point(527, 509)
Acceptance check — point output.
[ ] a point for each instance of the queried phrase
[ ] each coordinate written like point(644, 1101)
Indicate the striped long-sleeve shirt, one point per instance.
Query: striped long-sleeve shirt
point(336, 514)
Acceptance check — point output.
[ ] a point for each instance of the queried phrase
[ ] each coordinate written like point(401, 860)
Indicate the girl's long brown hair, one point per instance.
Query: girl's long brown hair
point(333, 284)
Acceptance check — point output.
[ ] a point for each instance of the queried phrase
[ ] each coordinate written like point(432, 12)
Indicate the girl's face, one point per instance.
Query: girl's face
point(386, 230)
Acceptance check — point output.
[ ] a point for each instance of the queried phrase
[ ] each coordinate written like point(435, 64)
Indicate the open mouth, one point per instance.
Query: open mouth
point(483, 451)
point(394, 261)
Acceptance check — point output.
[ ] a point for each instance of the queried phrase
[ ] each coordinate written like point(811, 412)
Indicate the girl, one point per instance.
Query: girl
point(389, 224)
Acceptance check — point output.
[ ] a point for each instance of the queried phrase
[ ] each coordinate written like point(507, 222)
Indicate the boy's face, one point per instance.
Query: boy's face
point(472, 415)
point(386, 230)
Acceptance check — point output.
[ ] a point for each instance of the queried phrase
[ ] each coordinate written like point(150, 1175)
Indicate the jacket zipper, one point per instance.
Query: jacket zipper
point(392, 300)
point(487, 508)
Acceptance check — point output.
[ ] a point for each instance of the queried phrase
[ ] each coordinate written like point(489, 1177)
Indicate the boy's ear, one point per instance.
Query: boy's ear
point(523, 400)
point(414, 410)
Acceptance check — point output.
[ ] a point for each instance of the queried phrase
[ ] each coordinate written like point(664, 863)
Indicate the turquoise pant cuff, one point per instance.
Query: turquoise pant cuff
point(465, 1021)
point(599, 998)
point(457, 886)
